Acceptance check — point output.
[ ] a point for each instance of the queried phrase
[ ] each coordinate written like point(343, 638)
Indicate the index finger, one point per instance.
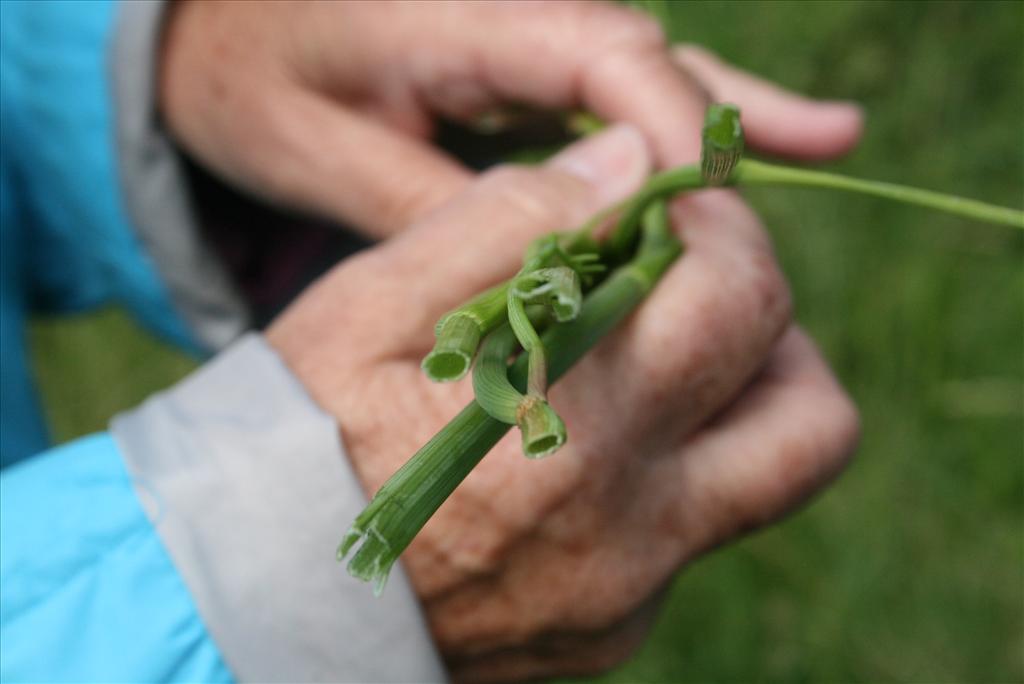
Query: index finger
point(610, 59)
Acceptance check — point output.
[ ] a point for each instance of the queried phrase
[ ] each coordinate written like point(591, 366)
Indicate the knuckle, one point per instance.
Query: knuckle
point(420, 195)
point(770, 296)
point(538, 197)
point(477, 555)
point(482, 536)
point(623, 27)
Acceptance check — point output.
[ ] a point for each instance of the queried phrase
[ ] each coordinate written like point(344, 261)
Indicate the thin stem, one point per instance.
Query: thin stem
point(543, 432)
point(558, 289)
point(537, 376)
point(491, 385)
point(749, 172)
point(656, 223)
point(661, 185)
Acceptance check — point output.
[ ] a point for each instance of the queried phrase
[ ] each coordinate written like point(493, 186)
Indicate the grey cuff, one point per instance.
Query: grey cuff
point(246, 483)
point(155, 188)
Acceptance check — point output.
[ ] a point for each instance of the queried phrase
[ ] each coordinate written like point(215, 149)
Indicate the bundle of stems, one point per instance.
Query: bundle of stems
point(543, 311)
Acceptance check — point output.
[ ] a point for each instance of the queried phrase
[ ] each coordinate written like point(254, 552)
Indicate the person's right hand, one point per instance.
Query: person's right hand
point(706, 414)
point(329, 106)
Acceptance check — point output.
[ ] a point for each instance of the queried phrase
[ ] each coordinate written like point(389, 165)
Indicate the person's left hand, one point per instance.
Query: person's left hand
point(704, 414)
point(329, 107)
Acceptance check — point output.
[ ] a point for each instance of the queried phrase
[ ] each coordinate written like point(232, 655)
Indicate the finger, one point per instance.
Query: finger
point(561, 653)
point(707, 327)
point(607, 58)
point(266, 130)
point(478, 239)
point(789, 434)
point(327, 159)
point(614, 61)
point(776, 120)
point(469, 244)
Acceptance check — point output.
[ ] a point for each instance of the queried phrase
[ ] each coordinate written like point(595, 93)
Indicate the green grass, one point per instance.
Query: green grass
point(911, 568)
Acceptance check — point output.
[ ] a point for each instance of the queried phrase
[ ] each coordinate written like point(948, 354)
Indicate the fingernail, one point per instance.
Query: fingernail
point(614, 162)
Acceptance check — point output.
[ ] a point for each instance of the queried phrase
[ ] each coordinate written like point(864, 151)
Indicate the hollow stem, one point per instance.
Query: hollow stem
point(542, 429)
point(537, 361)
point(452, 356)
point(458, 333)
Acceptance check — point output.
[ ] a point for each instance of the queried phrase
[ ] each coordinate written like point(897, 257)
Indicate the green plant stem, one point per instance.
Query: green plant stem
point(543, 431)
point(407, 500)
point(658, 186)
point(537, 364)
point(750, 172)
point(491, 385)
point(459, 332)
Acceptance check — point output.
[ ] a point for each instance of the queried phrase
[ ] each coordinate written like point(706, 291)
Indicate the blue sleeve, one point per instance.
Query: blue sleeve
point(87, 591)
point(22, 431)
point(67, 242)
point(59, 131)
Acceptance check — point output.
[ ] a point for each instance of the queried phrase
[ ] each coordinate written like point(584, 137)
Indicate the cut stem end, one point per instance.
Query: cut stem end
point(373, 558)
point(542, 429)
point(447, 366)
point(457, 340)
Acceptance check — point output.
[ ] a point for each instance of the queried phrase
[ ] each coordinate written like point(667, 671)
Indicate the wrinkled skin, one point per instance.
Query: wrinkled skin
point(708, 413)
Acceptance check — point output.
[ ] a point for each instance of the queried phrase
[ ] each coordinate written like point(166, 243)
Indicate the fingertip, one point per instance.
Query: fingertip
point(801, 128)
point(839, 125)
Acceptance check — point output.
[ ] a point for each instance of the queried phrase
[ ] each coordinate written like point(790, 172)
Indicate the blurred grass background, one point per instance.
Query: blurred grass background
point(911, 568)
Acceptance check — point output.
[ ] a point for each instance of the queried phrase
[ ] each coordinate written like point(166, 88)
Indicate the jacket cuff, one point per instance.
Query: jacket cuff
point(155, 186)
point(246, 482)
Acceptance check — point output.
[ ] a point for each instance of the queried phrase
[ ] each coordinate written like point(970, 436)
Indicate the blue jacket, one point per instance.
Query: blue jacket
point(189, 543)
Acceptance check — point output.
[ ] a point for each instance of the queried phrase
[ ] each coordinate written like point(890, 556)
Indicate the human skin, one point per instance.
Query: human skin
point(329, 107)
point(706, 414)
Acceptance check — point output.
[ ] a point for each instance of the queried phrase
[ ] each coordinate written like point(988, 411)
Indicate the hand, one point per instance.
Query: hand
point(329, 107)
point(706, 414)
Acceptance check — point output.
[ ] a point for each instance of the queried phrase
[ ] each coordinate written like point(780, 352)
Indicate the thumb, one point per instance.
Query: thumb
point(477, 239)
point(387, 299)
